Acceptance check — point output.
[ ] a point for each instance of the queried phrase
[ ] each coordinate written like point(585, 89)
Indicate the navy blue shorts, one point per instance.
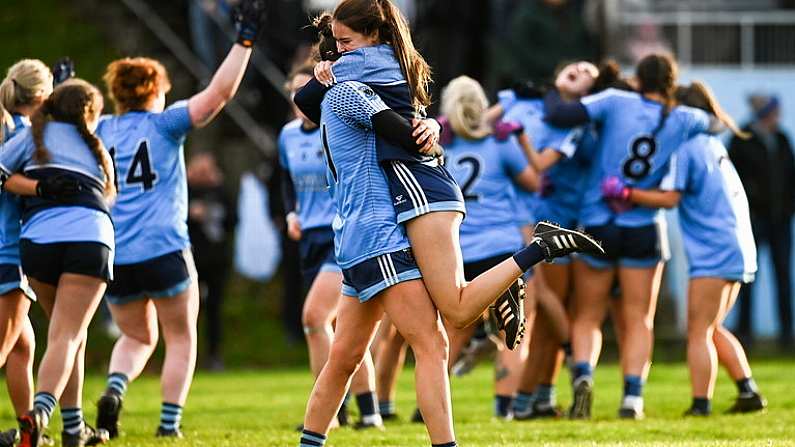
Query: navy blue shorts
point(162, 277)
point(12, 278)
point(422, 188)
point(638, 247)
point(47, 262)
point(371, 277)
point(317, 253)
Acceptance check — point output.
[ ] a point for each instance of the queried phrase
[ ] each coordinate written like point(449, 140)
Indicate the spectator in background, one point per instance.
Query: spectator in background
point(766, 165)
point(211, 218)
point(540, 34)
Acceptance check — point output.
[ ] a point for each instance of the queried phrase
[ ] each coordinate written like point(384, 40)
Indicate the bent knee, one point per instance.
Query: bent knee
point(345, 360)
point(144, 336)
point(315, 319)
point(430, 344)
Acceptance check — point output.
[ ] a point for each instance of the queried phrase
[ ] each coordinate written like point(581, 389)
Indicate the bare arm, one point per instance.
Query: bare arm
point(654, 198)
point(494, 113)
point(205, 105)
point(528, 179)
point(20, 185)
point(540, 161)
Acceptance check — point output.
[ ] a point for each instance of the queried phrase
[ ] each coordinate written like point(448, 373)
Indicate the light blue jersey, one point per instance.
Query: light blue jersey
point(559, 200)
point(635, 147)
point(486, 169)
point(69, 155)
point(10, 205)
point(713, 211)
point(301, 154)
point(365, 225)
point(151, 210)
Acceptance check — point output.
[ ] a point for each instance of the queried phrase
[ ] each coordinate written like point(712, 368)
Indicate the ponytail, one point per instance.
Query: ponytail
point(464, 103)
point(700, 96)
point(75, 102)
point(416, 69)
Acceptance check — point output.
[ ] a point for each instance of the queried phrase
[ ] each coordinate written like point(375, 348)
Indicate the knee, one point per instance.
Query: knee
point(344, 360)
point(457, 318)
point(147, 336)
point(430, 345)
point(314, 320)
point(25, 346)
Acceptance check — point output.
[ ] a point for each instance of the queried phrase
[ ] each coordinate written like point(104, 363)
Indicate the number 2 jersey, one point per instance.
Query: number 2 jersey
point(151, 209)
point(713, 211)
point(486, 169)
point(630, 149)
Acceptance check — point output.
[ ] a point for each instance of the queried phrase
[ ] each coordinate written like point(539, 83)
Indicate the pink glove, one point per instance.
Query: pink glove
point(613, 188)
point(504, 129)
point(447, 135)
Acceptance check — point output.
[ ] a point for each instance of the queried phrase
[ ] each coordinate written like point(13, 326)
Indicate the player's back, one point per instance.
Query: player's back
point(486, 169)
point(365, 225)
point(150, 212)
point(713, 211)
point(10, 212)
point(301, 153)
point(637, 137)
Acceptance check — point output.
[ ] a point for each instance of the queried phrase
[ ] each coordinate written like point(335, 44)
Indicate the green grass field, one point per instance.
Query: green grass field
point(262, 408)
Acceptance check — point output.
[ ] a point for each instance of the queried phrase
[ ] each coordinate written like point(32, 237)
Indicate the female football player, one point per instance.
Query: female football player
point(68, 268)
point(378, 50)
point(310, 212)
point(638, 134)
point(721, 253)
point(155, 276)
point(490, 167)
point(26, 85)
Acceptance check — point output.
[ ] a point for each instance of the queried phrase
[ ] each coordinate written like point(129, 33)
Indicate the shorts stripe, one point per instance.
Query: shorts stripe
point(411, 184)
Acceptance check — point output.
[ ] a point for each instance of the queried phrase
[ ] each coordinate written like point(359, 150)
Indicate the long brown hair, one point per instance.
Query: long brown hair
point(383, 17)
point(75, 102)
point(25, 82)
point(700, 96)
point(133, 83)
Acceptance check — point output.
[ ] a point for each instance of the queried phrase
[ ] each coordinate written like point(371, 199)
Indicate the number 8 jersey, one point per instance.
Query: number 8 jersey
point(636, 141)
point(151, 210)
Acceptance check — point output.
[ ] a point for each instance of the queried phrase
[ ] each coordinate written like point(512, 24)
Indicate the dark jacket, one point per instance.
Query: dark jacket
point(768, 177)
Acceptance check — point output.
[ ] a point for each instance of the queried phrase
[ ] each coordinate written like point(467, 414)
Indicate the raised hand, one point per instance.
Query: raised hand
point(248, 17)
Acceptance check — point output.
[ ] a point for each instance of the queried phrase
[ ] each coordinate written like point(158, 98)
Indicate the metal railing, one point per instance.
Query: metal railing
point(736, 38)
point(177, 46)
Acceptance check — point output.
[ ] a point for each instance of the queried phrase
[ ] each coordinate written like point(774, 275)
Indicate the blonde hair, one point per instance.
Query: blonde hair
point(133, 83)
point(464, 103)
point(75, 102)
point(25, 82)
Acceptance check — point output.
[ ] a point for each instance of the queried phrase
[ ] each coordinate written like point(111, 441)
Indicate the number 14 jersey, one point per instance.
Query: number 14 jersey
point(151, 211)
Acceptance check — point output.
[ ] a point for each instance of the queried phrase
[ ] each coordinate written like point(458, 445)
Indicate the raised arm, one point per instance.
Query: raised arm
point(564, 114)
point(205, 105)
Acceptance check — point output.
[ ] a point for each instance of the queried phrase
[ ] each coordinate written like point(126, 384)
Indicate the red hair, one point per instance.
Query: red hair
point(133, 83)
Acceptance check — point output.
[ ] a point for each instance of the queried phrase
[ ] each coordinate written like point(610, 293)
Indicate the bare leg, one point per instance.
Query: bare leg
point(137, 321)
point(320, 308)
point(436, 247)
point(730, 352)
point(705, 298)
point(640, 288)
point(591, 292)
point(19, 370)
point(389, 361)
point(178, 317)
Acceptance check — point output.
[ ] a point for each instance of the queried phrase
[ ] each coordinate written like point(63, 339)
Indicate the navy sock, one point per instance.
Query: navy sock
point(45, 402)
point(72, 420)
point(386, 407)
point(523, 401)
point(703, 404)
point(633, 386)
point(528, 256)
point(447, 444)
point(566, 348)
point(311, 439)
point(747, 386)
point(582, 369)
point(170, 416)
point(117, 383)
point(502, 405)
point(545, 393)
point(367, 403)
